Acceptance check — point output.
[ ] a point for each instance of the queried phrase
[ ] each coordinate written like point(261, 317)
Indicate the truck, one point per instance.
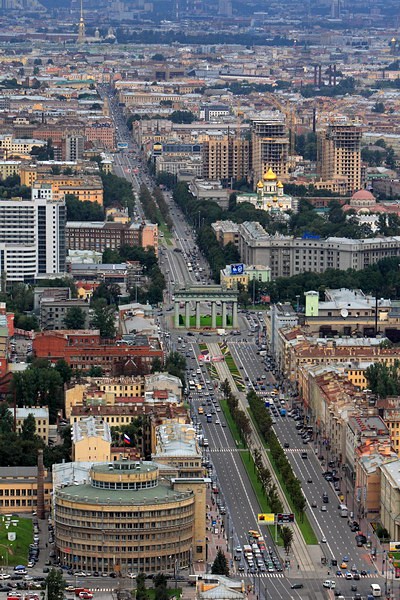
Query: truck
point(221, 331)
point(263, 353)
point(209, 418)
point(267, 403)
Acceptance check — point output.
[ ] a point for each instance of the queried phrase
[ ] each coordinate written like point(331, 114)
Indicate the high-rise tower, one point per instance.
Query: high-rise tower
point(339, 153)
point(81, 28)
point(270, 145)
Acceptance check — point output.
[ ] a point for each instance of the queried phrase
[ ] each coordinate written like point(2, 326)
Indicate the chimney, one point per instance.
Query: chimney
point(40, 486)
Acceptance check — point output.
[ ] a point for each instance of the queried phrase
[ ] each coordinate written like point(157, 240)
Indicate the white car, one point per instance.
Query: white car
point(132, 575)
point(329, 583)
point(323, 540)
point(4, 576)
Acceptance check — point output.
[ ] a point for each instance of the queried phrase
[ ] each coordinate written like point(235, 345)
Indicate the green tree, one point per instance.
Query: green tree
point(160, 587)
point(141, 591)
point(220, 564)
point(6, 419)
point(182, 116)
point(104, 318)
point(28, 429)
point(378, 107)
point(65, 371)
point(287, 537)
point(158, 57)
point(95, 371)
point(55, 585)
point(75, 318)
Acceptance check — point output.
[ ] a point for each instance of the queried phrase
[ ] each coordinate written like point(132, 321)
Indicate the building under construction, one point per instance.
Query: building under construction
point(225, 157)
point(339, 153)
point(270, 146)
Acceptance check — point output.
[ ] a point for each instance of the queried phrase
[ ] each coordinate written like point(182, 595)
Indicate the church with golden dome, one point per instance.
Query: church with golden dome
point(270, 196)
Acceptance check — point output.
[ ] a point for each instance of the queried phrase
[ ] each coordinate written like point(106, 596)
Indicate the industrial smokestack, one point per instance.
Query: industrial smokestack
point(319, 76)
point(40, 486)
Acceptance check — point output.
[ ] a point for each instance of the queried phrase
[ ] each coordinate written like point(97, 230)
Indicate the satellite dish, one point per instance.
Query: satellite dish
point(344, 312)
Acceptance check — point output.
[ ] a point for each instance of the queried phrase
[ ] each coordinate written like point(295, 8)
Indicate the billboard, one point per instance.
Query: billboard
point(267, 518)
point(394, 546)
point(237, 269)
point(122, 145)
point(284, 518)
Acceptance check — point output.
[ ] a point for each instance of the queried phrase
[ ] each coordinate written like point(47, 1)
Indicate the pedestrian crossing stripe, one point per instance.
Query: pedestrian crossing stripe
point(267, 575)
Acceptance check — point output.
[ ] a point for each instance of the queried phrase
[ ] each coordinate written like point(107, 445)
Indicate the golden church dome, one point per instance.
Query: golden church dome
point(269, 175)
point(260, 184)
point(275, 199)
point(279, 184)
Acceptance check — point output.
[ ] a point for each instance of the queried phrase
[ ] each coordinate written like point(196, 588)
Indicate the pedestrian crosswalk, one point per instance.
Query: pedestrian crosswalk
point(221, 450)
point(267, 575)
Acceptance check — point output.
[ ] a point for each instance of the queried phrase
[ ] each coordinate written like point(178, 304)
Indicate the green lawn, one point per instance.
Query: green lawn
point(205, 320)
point(232, 425)
point(167, 234)
point(18, 550)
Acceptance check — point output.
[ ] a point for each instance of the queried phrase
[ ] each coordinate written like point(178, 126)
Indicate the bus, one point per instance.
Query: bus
point(192, 385)
point(344, 511)
point(376, 590)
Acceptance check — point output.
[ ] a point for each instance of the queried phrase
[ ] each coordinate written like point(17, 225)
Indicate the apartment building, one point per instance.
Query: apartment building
point(225, 157)
point(339, 153)
point(41, 416)
point(91, 440)
point(99, 235)
point(32, 236)
point(270, 145)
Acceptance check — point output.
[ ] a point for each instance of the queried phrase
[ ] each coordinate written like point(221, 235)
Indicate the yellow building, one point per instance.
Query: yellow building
point(232, 279)
point(28, 175)
point(102, 391)
point(41, 416)
point(19, 489)
point(91, 440)
point(129, 519)
point(9, 168)
point(84, 187)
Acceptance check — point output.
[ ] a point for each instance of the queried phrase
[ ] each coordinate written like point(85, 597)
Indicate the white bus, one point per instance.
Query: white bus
point(344, 511)
point(376, 590)
point(192, 385)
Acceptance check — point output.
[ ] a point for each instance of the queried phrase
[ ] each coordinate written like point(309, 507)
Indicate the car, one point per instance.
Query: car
point(323, 540)
point(86, 595)
point(46, 570)
point(28, 578)
point(346, 558)
point(286, 445)
point(323, 508)
point(297, 586)
point(356, 576)
point(313, 504)
point(343, 565)
point(4, 576)
point(348, 575)
point(79, 573)
point(309, 480)
point(329, 583)
point(363, 573)
point(337, 592)
point(353, 588)
point(132, 575)
point(70, 588)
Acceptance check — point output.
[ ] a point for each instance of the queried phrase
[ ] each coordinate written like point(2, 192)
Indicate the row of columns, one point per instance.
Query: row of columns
point(213, 313)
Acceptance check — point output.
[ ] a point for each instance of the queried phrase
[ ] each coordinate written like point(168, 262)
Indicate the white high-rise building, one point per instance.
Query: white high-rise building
point(32, 236)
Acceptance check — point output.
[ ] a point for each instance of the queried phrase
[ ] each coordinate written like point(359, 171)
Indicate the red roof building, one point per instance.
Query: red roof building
point(83, 349)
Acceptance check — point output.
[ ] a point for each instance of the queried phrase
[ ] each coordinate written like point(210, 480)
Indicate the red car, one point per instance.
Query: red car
point(86, 595)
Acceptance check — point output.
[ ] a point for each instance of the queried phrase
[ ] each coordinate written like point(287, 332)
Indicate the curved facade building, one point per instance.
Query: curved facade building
point(127, 518)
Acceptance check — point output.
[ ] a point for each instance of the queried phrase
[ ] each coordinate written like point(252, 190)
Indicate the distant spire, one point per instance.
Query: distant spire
point(81, 27)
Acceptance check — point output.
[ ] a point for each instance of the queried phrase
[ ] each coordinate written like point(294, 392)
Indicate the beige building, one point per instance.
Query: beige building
point(130, 518)
point(225, 157)
point(288, 256)
point(91, 440)
point(176, 446)
point(226, 232)
point(270, 146)
point(340, 153)
point(9, 168)
point(41, 416)
point(390, 499)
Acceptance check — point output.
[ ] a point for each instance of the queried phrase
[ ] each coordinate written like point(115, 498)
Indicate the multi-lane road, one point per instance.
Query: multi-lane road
point(238, 496)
